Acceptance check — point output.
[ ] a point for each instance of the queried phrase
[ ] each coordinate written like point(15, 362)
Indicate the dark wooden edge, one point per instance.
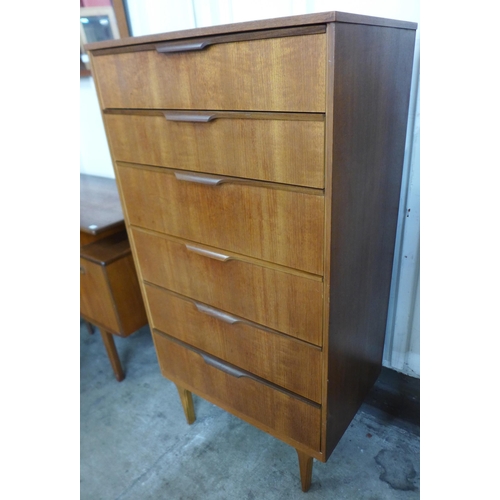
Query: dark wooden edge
point(245, 373)
point(362, 249)
point(91, 258)
point(101, 230)
point(346, 17)
point(329, 156)
point(218, 39)
point(281, 22)
point(247, 115)
point(91, 251)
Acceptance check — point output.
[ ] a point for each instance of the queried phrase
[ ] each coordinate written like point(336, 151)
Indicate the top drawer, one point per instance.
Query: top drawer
point(273, 74)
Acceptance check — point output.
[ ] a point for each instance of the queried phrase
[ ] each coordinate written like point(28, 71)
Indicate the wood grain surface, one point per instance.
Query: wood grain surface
point(249, 219)
point(278, 358)
point(96, 300)
point(287, 151)
point(372, 76)
point(279, 300)
point(110, 294)
point(127, 295)
point(278, 74)
point(284, 415)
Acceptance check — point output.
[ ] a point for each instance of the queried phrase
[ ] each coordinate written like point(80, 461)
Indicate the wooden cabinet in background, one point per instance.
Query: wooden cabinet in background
point(259, 166)
point(110, 296)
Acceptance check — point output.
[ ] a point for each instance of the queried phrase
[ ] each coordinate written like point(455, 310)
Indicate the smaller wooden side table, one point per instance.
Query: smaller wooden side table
point(110, 296)
point(100, 209)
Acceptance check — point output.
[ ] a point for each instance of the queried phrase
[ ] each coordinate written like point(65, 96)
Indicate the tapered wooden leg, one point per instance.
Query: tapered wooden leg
point(306, 468)
point(187, 404)
point(109, 344)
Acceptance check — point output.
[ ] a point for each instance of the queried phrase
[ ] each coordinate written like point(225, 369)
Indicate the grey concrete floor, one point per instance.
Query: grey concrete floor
point(136, 444)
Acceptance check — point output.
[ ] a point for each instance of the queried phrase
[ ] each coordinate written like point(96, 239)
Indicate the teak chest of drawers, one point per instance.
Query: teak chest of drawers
point(259, 166)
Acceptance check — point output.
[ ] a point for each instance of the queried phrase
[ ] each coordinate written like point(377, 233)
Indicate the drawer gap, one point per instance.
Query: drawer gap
point(243, 320)
point(235, 256)
point(228, 179)
point(224, 114)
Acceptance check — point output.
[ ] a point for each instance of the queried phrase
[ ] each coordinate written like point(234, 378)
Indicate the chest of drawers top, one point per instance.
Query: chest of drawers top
point(249, 30)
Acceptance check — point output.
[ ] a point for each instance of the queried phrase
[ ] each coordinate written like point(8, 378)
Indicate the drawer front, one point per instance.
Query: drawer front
point(277, 74)
point(96, 300)
point(236, 216)
point(279, 413)
point(287, 362)
point(280, 300)
point(289, 151)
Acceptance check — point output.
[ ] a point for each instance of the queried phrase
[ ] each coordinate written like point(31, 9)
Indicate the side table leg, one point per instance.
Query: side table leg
point(187, 404)
point(90, 327)
point(305, 465)
point(109, 344)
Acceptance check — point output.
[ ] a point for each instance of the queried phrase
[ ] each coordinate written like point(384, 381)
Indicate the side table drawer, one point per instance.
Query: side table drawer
point(96, 300)
point(110, 295)
point(275, 411)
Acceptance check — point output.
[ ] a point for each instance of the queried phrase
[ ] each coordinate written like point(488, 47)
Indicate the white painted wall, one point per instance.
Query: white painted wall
point(95, 158)
point(402, 351)
point(402, 348)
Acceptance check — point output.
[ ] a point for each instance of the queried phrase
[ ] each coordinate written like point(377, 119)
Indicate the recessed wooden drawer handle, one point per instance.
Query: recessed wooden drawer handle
point(208, 253)
point(82, 270)
point(199, 178)
point(189, 117)
point(211, 311)
point(185, 47)
point(234, 372)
